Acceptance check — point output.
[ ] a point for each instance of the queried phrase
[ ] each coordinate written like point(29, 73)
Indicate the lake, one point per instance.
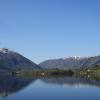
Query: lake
point(48, 88)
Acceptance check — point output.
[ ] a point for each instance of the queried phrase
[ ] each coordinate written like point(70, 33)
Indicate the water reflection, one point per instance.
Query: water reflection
point(72, 81)
point(13, 84)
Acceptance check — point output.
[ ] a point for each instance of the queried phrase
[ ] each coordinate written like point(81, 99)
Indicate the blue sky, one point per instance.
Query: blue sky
point(46, 29)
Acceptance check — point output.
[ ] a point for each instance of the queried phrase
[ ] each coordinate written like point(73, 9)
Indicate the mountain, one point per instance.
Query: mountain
point(71, 62)
point(10, 60)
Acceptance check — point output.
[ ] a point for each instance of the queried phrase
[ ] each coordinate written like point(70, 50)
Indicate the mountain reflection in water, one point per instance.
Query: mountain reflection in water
point(13, 84)
point(72, 81)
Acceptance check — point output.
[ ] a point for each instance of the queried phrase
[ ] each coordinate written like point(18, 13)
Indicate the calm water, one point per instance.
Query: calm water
point(31, 88)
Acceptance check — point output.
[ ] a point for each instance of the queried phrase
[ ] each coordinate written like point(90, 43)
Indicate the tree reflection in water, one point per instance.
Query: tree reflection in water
point(12, 84)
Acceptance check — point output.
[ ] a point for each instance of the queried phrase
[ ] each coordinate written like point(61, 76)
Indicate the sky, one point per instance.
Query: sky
point(47, 29)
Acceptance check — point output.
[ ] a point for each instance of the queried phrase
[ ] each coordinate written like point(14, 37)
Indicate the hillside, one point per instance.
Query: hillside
point(10, 60)
point(71, 62)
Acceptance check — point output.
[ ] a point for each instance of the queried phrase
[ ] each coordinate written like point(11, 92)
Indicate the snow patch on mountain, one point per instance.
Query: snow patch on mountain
point(75, 58)
point(6, 51)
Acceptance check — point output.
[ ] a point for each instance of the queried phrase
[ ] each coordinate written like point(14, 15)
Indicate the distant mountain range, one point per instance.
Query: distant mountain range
point(71, 62)
point(10, 60)
point(13, 61)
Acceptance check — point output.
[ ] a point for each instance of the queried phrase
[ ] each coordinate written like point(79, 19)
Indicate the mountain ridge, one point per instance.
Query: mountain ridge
point(71, 62)
point(11, 60)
